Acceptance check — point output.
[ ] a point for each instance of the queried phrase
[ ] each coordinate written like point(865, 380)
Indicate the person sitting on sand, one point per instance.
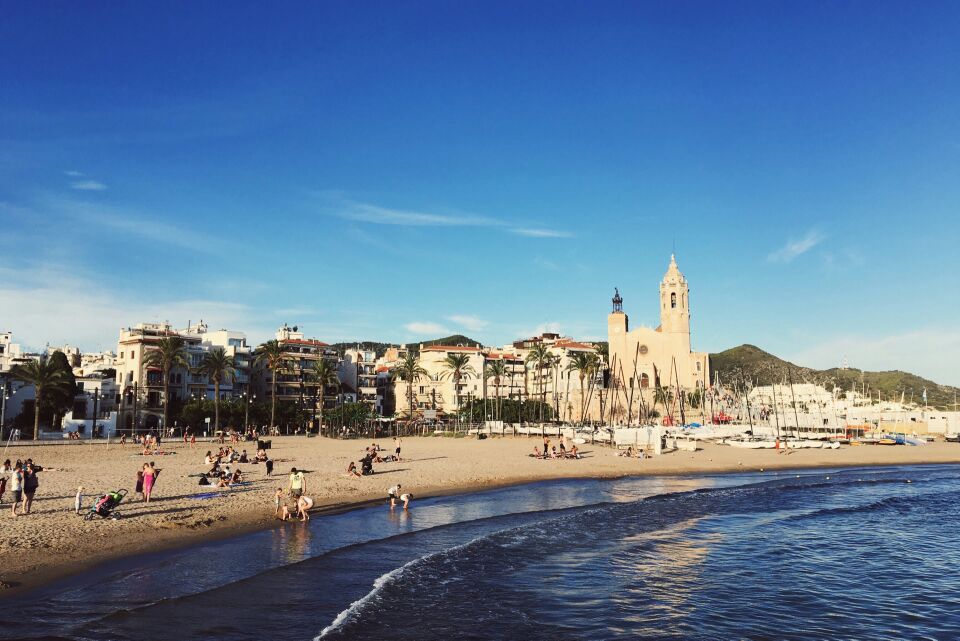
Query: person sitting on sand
point(352, 470)
point(224, 480)
point(243, 457)
point(261, 456)
point(237, 477)
point(208, 459)
point(536, 452)
point(553, 452)
point(574, 452)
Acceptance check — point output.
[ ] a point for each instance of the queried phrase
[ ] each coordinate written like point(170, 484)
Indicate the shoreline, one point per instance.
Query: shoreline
point(39, 565)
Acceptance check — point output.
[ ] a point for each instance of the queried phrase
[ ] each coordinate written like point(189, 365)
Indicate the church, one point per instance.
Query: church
point(647, 357)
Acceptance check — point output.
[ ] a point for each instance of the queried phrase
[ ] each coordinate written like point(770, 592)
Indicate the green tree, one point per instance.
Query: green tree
point(325, 373)
point(59, 399)
point(496, 370)
point(170, 352)
point(271, 356)
point(409, 370)
point(584, 364)
point(457, 367)
point(218, 366)
point(45, 376)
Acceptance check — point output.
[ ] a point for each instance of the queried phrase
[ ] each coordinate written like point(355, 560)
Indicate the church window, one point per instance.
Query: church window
point(673, 300)
point(644, 381)
point(698, 366)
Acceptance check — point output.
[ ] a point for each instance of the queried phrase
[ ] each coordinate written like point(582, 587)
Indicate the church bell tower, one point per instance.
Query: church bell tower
point(675, 304)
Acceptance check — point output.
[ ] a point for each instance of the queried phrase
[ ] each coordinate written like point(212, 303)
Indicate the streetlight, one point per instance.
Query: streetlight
point(246, 410)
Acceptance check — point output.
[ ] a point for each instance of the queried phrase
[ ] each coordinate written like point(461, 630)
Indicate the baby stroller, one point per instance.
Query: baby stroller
point(104, 506)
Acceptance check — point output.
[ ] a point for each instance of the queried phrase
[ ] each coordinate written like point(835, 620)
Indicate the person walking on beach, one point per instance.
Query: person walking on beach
point(16, 486)
point(78, 501)
point(138, 489)
point(149, 475)
point(396, 444)
point(30, 485)
point(298, 485)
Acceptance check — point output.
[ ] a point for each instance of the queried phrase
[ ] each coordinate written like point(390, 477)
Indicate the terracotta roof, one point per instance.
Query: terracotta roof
point(574, 345)
point(449, 348)
point(383, 368)
point(507, 355)
point(301, 341)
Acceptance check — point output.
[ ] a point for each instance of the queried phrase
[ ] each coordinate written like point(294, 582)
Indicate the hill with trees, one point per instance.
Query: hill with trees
point(762, 368)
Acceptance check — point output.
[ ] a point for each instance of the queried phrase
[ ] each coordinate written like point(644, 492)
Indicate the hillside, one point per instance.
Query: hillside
point(764, 368)
point(380, 348)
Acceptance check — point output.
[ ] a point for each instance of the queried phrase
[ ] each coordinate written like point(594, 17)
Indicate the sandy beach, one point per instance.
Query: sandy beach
point(53, 541)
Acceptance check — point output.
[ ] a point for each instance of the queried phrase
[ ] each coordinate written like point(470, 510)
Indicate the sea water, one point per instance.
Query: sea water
point(826, 554)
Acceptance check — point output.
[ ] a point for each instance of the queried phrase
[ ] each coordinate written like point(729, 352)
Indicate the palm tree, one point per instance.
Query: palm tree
point(217, 365)
point(44, 376)
point(325, 373)
point(271, 356)
point(496, 370)
point(170, 352)
point(584, 364)
point(540, 356)
point(409, 370)
point(457, 366)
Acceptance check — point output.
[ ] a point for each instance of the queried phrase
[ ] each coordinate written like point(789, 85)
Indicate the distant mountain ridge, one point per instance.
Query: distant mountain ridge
point(381, 348)
point(764, 368)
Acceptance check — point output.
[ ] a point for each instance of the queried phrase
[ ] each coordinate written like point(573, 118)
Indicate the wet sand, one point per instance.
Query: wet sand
point(53, 541)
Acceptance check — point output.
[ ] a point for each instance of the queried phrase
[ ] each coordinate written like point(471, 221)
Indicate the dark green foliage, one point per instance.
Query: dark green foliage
point(512, 411)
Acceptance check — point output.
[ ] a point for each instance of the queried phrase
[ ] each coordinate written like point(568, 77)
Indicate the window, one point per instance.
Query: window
point(673, 300)
point(644, 381)
point(699, 367)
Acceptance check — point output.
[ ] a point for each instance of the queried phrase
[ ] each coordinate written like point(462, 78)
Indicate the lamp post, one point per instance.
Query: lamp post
point(246, 410)
point(96, 399)
point(3, 405)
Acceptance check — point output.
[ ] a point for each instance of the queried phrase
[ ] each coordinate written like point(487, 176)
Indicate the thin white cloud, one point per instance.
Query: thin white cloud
point(796, 247)
point(931, 352)
point(540, 233)
point(338, 205)
point(88, 185)
point(366, 213)
point(426, 328)
point(470, 322)
point(136, 224)
point(74, 173)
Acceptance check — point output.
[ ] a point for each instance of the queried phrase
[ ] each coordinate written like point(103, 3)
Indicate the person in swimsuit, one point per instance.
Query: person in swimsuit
point(352, 470)
point(406, 500)
point(149, 474)
point(397, 443)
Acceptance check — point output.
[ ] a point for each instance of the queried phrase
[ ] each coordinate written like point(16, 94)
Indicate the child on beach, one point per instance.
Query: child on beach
point(277, 500)
point(406, 500)
point(78, 501)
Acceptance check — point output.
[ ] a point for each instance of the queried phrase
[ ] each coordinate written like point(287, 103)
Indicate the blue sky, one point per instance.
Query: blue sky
point(398, 171)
